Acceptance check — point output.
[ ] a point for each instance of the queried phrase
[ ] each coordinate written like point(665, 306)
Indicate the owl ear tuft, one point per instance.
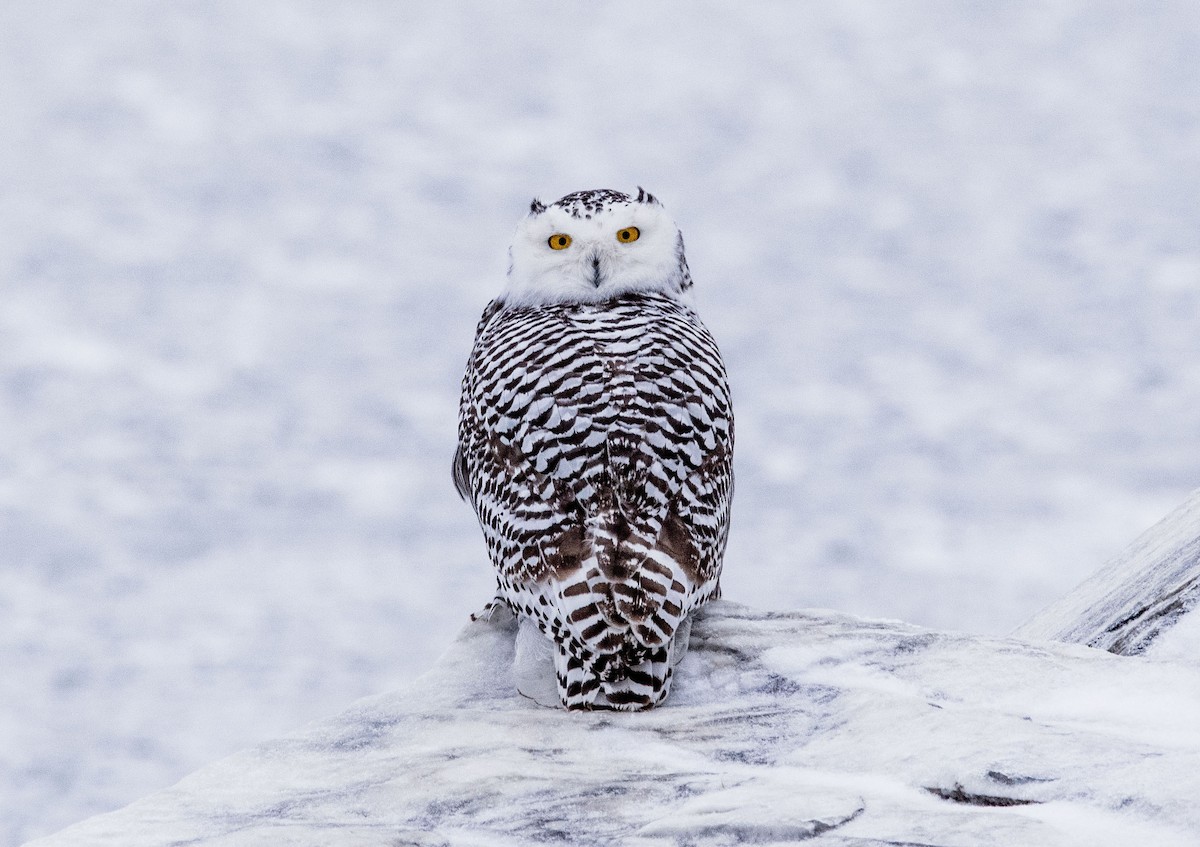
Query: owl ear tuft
point(536, 207)
point(644, 196)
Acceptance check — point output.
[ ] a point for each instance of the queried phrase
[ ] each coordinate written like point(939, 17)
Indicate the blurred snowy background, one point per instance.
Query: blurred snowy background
point(951, 252)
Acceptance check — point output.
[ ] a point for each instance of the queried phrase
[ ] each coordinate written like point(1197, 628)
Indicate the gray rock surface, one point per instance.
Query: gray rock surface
point(782, 727)
point(1136, 598)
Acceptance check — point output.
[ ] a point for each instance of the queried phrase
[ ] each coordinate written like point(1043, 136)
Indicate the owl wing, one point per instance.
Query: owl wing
point(659, 539)
point(531, 520)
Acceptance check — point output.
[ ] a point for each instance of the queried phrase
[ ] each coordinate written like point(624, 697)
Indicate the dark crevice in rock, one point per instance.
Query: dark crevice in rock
point(1135, 632)
point(1014, 779)
point(958, 794)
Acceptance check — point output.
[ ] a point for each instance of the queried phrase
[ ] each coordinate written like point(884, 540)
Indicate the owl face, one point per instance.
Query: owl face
point(592, 246)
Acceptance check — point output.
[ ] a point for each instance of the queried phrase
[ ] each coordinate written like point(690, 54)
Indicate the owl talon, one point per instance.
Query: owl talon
point(488, 612)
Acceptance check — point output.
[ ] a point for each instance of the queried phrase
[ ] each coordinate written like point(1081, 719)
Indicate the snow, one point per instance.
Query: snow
point(1181, 643)
point(781, 726)
point(949, 252)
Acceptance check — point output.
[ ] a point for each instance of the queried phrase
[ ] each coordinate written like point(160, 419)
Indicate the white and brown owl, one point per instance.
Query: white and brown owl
point(596, 444)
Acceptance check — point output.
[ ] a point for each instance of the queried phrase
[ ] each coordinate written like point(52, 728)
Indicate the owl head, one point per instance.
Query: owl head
point(592, 246)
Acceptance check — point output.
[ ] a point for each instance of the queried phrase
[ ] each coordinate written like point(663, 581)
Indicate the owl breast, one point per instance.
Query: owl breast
point(595, 445)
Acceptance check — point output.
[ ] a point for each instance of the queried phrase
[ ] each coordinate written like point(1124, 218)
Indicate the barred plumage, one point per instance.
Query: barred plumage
point(595, 444)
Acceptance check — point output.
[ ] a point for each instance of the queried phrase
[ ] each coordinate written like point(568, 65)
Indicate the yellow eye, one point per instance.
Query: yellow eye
point(628, 234)
point(559, 241)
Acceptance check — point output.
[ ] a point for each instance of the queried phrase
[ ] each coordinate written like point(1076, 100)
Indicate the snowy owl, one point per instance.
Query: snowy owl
point(596, 444)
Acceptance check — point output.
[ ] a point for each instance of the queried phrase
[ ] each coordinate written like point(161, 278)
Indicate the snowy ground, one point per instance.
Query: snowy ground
point(781, 726)
point(950, 252)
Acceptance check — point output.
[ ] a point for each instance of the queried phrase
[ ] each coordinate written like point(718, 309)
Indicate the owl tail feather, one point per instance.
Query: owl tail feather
point(618, 681)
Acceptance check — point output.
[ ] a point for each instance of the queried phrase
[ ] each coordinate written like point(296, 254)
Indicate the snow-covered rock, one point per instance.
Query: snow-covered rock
point(781, 727)
point(1135, 604)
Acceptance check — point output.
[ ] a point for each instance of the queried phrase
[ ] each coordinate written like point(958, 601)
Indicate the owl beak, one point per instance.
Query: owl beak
point(595, 270)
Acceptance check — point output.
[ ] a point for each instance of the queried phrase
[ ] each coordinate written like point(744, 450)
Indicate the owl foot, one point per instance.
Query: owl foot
point(496, 604)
